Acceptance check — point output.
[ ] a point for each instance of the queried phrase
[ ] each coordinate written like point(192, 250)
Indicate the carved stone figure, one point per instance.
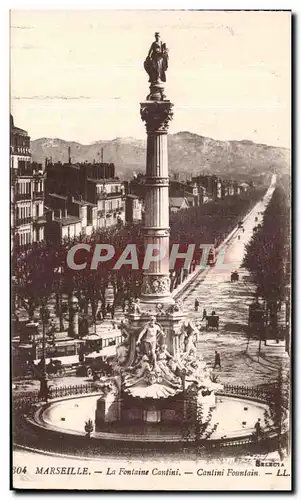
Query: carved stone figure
point(156, 63)
point(176, 307)
point(164, 366)
point(135, 307)
point(140, 372)
point(149, 338)
point(159, 310)
point(122, 353)
point(189, 343)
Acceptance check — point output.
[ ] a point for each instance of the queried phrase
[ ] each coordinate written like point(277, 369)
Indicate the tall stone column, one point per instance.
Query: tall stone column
point(156, 282)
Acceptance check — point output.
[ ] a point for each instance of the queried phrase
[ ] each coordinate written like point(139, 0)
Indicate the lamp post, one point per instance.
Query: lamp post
point(105, 200)
point(44, 315)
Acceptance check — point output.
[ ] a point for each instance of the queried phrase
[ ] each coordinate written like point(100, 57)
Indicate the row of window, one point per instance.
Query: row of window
point(110, 189)
point(57, 351)
point(111, 341)
point(110, 205)
point(24, 187)
point(24, 212)
point(24, 238)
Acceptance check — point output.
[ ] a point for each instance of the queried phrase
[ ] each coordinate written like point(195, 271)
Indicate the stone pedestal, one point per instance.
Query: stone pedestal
point(107, 410)
point(171, 323)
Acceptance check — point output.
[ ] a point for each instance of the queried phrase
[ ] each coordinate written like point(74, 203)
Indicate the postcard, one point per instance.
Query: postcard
point(150, 200)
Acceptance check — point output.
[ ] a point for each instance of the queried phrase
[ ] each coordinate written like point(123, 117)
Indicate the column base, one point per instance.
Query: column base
point(156, 299)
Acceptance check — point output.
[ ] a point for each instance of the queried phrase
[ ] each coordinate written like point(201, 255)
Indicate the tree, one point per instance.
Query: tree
point(266, 254)
point(89, 427)
point(277, 417)
point(42, 271)
point(197, 428)
point(34, 273)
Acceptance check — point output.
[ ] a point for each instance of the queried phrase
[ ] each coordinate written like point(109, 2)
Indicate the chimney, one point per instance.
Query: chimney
point(101, 155)
point(69, 154)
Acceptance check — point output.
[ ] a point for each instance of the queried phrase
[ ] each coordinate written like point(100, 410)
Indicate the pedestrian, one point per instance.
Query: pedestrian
point(113, 311)
point(204, 314)
point(109, 309)
point(217, 360)
point(196, 305)
point(257, 429)
point(44, 389)
point(123, 306)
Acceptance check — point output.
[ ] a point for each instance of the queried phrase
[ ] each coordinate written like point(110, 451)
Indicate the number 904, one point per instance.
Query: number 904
point(19, 470)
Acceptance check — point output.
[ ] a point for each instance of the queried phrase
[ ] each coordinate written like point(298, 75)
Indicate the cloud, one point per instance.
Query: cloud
point(50, 97)
point(22, 27)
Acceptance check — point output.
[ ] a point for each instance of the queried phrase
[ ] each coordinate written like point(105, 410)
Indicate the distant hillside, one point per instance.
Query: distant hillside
point(188, 154)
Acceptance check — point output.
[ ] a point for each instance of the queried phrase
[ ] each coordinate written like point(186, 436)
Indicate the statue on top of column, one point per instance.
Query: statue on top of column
point(156, 63)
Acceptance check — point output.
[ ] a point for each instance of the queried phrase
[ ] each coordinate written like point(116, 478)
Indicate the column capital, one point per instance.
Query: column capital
point(156, 115)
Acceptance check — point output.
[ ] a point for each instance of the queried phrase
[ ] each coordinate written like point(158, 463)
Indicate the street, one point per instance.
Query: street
point(230, 301)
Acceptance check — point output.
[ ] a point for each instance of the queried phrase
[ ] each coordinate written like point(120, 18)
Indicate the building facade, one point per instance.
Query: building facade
point(27, 191)
point(81, 197)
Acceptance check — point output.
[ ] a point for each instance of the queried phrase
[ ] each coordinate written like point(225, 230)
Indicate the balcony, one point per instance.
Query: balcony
point(38, 195)
point(23, 196)
point(109, 211)
point(20, 150)
point(103, 196)
point(39, 219)
point(24, 172)
point(24, 221)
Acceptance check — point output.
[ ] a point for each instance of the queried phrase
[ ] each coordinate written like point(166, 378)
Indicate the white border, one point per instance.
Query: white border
point(4, 155)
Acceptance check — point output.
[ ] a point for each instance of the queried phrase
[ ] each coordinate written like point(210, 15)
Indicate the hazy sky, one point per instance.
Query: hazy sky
point(79, 75)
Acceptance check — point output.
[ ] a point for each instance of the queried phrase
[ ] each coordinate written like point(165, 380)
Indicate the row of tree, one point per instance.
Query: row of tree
point(267, 255)
point(42, 271)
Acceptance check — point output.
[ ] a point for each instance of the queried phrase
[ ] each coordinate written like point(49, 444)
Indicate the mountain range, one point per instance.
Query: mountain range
point(188, 154)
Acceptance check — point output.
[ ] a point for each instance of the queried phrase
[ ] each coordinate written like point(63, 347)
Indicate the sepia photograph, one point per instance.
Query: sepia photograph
point(150, 246)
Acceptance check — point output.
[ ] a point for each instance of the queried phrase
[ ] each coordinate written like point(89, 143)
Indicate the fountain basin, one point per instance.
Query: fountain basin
point(68, 416)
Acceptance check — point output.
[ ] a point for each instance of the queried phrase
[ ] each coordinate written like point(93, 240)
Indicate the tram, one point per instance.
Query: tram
point(60, 355)
point(100, 361)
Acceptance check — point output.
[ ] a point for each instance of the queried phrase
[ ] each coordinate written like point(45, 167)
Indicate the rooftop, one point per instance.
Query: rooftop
point(16, 130)
point(177, 201)
point(101, 180)
point(67, 221)
point(58, 196)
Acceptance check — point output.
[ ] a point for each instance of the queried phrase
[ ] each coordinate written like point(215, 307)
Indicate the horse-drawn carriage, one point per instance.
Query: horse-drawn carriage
point(234, 276)
point(211, 261)
point(55, 368)
point(257, 319)
point(212, 322)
